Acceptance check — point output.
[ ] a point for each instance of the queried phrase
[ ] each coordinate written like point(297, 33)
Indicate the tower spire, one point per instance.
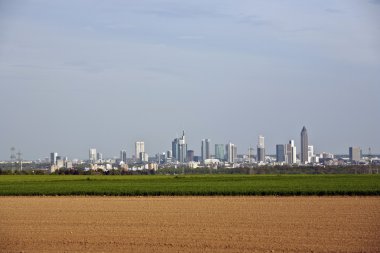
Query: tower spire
point(304, 146)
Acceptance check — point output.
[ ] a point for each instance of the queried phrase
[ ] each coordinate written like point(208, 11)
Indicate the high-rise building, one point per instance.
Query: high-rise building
point(231, 152)
point(139, 148)
point(355, 154)
point(235, 153)
point(250, 154)
point(260, 154)
point(205, 149)
point(53, 158)
point(161, 158)
point(260, 149)
point(175, 148)
point(143, 157)
point(219, 152)
point(304, 146)
point(280, 153)
point(190, 156)
point(123, 156)
point(260, 142)
point(310, 150)
point(99, 156)
point(92, 155)
point(291, 152)
point(182, 149)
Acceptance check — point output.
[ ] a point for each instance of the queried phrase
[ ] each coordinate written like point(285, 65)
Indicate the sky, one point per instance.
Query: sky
point(76, 74)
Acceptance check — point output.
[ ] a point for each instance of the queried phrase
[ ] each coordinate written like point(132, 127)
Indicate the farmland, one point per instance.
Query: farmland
point(195, 185)
point(189, 224)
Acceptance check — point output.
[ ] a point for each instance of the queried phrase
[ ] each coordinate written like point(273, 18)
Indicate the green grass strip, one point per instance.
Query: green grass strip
point(191, 185)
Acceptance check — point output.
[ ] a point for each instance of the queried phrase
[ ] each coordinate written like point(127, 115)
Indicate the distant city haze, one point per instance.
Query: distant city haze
point(76, 75)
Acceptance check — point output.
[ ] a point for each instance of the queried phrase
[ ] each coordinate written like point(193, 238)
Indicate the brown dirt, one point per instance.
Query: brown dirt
point(189, 224)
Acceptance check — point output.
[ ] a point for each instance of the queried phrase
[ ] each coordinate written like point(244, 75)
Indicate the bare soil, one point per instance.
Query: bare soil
point(189, 224)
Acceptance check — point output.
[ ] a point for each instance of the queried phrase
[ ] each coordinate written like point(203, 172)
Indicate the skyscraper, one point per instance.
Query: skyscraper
point(205, 149)
point(190, 156)
point(260, 142)
point(310, 153)
point(182, 149)
point(280, 153)
point(143, 157)
point(250, 154)
point(139, 148)
point(169, 154)
point(260, 149)
point(123, 156)
point(175, 148)
point(219, 152)
point(231, 152)
point(291, 152)
point(304, 146)
point(355, 154)
point(92, 155)
point(53, 158)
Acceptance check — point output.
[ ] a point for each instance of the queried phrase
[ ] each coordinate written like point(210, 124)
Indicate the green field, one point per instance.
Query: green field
point(282, 185)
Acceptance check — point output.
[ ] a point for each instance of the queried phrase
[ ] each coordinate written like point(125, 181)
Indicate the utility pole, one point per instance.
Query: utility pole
point(13, 158)
point(369, 161)
point(19, 159)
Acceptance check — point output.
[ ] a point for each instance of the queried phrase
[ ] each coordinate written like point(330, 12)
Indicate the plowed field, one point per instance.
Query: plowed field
point(189, 224)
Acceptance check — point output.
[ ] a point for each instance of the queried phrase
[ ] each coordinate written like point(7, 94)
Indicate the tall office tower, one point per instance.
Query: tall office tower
point(92, 155)
point(260, 154)
point(53, 158)
point(355, 154)
point(250, 154)
point(310, 152)
point(123, 156)
point(190, 155)
point(304, 146)
point(260, 142)
point(280, 153)
point(291, 152)
point(205, 149)
point(231, 151)
point(182, 149)
point(235, 153)
point(139, 148)
point(175, 148)
point(260, 149)
point(99, 156)
point(161, 158)
point(143, 157)
point(168, 156)
point(219, 152)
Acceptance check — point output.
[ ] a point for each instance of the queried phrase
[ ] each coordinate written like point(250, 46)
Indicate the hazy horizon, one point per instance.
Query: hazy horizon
point(104, 74)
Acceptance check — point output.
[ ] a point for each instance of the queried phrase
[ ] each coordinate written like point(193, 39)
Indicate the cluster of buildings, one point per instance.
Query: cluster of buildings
point(225, 155)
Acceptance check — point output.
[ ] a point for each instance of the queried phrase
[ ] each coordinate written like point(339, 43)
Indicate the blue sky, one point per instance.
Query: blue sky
point(81, 74)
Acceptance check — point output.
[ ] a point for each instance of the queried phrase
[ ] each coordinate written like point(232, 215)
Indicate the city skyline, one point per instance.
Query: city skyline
point(105, 74)
point(179, 151)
